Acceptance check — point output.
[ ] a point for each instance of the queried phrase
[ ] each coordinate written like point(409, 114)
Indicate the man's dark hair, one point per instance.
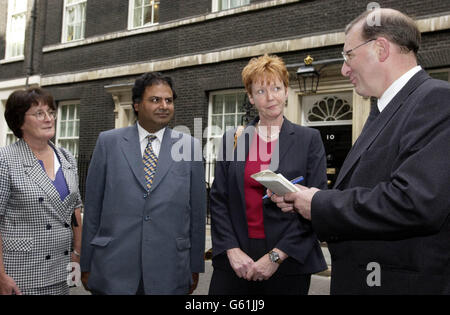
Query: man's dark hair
point(20, 101)
point(149, 79)
point(393, 25)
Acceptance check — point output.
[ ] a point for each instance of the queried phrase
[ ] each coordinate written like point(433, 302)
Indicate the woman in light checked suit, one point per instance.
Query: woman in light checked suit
point(38, 198)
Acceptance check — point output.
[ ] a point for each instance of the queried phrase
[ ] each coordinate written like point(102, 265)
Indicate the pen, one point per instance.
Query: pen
point(294, 181)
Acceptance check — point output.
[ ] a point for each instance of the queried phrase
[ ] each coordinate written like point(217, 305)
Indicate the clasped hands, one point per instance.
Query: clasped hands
point(299, 201)
point(246, 268)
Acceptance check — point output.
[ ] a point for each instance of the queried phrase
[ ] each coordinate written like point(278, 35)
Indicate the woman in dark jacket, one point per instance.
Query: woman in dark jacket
point(258, 249)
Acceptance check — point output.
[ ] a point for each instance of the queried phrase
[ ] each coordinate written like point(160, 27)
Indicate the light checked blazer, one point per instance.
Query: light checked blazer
point(35, 225)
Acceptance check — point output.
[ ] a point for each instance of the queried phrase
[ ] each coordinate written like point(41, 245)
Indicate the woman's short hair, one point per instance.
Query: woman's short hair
point(20, 101)
point(272, 67)
point(149, 79)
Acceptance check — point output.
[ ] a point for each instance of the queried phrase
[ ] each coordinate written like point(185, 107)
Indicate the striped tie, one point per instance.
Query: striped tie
point(150, 160)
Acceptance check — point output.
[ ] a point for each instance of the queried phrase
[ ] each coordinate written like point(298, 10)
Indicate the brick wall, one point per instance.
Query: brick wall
point(106, 16)
point(305, 17)
point(193, 84)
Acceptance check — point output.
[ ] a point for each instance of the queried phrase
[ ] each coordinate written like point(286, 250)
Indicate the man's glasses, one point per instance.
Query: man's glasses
point(40, 115)
point(346, 54)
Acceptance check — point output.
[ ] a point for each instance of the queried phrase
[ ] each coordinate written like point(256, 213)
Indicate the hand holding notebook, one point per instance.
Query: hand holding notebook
point(277, 183)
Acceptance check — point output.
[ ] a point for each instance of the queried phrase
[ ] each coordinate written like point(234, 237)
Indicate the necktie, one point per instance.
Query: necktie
point(150, 160)
point(374, 112)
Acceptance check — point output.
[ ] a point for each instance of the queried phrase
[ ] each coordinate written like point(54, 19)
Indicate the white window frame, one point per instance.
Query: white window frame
point(216, 4)
point(10, 137)
point(441, 71)
point(131, 7)
point(76, 120)
point(14, 36)
point(214, 139)
point(308, 102)
point(65, 25)
point(7, 136)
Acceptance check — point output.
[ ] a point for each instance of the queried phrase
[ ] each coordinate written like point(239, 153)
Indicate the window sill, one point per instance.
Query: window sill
point(167, 25)
point(12, 59)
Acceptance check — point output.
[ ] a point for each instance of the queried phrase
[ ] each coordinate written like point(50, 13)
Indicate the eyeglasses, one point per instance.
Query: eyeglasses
point(346, 54)
point(40, 115)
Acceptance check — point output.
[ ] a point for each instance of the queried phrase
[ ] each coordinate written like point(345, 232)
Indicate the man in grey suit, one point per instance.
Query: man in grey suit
point(387, 220)
point(145, 209)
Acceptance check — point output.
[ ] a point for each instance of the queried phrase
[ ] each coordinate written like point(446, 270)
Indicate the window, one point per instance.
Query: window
point(10, 137)
point(68, 129)
point(7, 136)
point(219, 5)
point(74, 20)
point(328, 110)
point(15, 33)
point(445, 76)
point(143, 12)
point(225, 111)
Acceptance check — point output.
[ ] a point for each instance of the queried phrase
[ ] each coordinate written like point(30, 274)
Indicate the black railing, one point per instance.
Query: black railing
point(83, 166)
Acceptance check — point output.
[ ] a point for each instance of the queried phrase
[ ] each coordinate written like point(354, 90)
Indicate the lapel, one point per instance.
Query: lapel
point(165, 159)
point(131, 148)
point(67, 169)
point(284, 143)
point(370, 133)
point(240, 156)
point(37, 174)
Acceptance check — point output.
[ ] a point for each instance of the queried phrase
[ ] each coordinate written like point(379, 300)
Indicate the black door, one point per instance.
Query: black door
point(337, 141)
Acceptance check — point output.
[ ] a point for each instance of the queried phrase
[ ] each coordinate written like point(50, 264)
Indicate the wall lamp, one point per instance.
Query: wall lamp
point(308, 73)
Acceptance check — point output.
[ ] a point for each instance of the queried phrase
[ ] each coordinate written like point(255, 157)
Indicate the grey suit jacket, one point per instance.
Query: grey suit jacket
point(35, 224)
point(391, 204)
point(131, 234)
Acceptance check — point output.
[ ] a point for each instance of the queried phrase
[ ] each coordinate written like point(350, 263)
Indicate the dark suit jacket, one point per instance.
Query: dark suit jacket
point(391, 204)
point(300, 151)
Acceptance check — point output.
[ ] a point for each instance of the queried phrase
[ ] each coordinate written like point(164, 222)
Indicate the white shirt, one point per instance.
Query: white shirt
point(395, 87)
point(143, 141)
point(56, 164)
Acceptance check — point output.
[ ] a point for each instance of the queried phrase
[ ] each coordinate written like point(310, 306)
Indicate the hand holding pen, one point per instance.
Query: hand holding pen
point(294, 181)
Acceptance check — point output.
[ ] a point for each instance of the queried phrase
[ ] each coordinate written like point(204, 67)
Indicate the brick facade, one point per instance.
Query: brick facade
point(293, 19)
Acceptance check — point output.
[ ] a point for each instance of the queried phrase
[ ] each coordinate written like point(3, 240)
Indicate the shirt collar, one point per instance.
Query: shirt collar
point(395, 87)
point(144, 133)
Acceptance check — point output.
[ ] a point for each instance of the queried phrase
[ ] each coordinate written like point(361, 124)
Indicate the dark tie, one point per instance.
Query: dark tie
point(374, 112)
point(150, 160)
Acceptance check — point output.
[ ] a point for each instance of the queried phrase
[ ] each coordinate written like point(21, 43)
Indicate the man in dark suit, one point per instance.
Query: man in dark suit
point(387, 219)
point(145, 209)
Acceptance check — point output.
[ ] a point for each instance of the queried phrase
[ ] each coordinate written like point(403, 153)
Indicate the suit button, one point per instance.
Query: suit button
point(66, 252)
point(48, 227)
point(145, 196)
point(41, 199)
point(147, 218)
point(66, 225)
point(48, 257)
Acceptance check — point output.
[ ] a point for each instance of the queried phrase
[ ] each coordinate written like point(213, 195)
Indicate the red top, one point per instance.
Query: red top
point(258, 160)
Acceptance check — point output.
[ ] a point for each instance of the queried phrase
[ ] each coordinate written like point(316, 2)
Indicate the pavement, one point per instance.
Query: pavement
point(320, 283)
